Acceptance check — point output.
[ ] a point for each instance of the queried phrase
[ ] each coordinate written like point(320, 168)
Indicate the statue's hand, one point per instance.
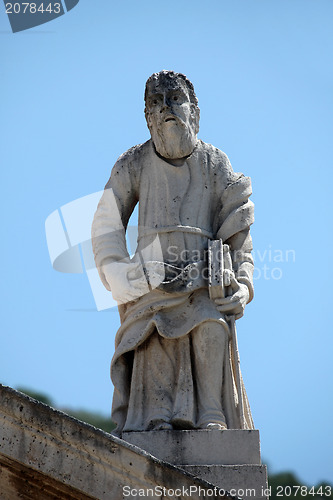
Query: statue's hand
point(126, 279)
point(235, 303)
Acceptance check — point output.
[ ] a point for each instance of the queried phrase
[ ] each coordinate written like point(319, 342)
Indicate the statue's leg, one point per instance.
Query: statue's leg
point(161, 385)
point(210, 353)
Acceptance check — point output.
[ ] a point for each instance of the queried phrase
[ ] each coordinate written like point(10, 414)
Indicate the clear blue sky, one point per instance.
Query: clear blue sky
point(72, 102)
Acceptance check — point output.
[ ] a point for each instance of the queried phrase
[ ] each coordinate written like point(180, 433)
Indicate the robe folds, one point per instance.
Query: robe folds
point(180, 208)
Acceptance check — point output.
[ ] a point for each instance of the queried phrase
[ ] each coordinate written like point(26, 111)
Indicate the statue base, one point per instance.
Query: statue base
point(229, 459)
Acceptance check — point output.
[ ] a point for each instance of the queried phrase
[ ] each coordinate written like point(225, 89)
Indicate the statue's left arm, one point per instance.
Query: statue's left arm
point(235, 219)
point(240, 279)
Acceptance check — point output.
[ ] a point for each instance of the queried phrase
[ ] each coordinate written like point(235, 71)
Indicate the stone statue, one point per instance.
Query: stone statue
point(174, 365)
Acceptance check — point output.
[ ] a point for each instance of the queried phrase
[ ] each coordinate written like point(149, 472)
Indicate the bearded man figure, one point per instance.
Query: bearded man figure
point(172, 367)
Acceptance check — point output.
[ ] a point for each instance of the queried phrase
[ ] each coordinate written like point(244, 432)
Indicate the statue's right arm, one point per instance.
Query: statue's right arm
point(109, 226)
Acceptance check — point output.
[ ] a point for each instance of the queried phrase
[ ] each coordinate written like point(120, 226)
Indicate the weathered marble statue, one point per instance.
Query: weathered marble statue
point(175, 365)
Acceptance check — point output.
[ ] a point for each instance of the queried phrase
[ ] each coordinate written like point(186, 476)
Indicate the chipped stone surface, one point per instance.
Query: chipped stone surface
point(249, 481)
point(230, 459)
point(46, 454)
point(200, 447)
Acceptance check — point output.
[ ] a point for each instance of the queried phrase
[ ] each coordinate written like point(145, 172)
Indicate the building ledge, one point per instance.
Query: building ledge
point(47, 454)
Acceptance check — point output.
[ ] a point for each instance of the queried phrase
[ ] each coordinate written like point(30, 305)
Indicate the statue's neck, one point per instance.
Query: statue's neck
point(176, 162)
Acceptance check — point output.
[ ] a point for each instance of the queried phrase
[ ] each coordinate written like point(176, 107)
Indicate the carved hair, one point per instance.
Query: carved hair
point(168, 75)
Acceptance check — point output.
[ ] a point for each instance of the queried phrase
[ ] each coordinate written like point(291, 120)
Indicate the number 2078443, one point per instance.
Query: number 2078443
point(32, 8)
point(304, 491)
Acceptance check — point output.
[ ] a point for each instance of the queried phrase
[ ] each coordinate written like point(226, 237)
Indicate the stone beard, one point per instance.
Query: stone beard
point(172, 137)
point(172, 367)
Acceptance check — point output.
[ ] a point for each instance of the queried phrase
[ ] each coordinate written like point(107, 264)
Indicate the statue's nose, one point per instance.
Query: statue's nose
point(166, 103)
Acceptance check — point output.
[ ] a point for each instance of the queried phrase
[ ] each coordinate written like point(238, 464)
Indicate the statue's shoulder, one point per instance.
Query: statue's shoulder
point(219, 163)
point(217, 160)
point(135, 155)
point(215, 155)
point(129, 165)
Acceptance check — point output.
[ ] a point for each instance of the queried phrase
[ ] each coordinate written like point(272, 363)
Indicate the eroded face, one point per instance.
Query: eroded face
point(172, 119)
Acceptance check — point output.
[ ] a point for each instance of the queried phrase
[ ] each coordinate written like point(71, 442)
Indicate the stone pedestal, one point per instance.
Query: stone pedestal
point(229, 459)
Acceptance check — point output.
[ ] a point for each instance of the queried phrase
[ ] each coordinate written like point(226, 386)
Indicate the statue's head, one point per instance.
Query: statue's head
point(172, 114)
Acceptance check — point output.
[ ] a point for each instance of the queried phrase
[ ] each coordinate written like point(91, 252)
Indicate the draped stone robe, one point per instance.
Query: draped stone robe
point(180, 208)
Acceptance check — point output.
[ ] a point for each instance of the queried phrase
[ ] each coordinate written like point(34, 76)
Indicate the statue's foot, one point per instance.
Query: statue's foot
point(160, 425)
point(216, 426)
